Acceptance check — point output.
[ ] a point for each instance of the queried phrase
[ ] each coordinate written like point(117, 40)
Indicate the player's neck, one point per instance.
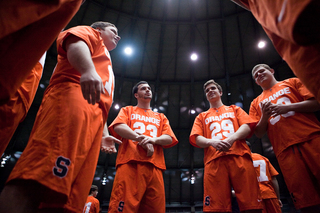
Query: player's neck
point(270, 85)
point(144, 104)
point(216, 104)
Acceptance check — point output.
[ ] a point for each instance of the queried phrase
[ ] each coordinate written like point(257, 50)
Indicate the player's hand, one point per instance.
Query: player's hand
point(91, 87)
point(278, 109)
point(150, 149)
point(220, 145)
point(108, 144)
point(226, 144)
point(143, 140)
point(265, 109)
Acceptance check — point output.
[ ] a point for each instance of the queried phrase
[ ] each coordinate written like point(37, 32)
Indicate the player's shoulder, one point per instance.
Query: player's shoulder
point(232, 107)
point(82, 31)
point(259, 156)
point(128, 107)
point(81, 27)
point(160, 114)
point(255, 102)
point(290, 81)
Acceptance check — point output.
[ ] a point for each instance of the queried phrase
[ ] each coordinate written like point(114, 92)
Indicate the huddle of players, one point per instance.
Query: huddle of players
point(63, 151)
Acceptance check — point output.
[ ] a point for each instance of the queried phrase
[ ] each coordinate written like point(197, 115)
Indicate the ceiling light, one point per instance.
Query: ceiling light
point(194, 56)
point(192, 179)
point(261, 44)
point(128, 51)
point(116, 106)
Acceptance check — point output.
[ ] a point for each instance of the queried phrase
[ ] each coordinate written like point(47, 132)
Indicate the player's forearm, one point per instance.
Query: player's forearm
point(276, 186)
point(105, 130)
point(125, 131)
point(243, 131)
point(202, 141)
point(163, 140)
point(305, 106)
point(261, 128)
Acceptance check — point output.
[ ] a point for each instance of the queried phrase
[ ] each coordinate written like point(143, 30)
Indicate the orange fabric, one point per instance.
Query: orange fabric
point(222, 173)
point(300, 167)
point(281, 134)
point(100, 57)
point(221, 123)
point(15, 110)
point(64, 144)
point(148, 123)
point(137, 187)
point(28, 28)
point(271, 206)
point(265, 171)
point(278, 18)
point(63, 150)
point(92, 205)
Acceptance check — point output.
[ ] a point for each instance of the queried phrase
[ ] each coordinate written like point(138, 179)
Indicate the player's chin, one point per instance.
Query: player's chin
point(111, 46)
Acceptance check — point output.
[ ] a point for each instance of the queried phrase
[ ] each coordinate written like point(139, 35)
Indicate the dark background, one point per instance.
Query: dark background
point(163, 34)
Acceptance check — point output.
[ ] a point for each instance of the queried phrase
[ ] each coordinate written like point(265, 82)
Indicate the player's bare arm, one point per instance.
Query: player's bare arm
point(126, 132)
point(276, 189)
point(162, 140)
point(243, 131)
point(147, 146)
point(108, 142)
point(206, 142)
point(266, 112)
point(310, 105)
point(79, 57)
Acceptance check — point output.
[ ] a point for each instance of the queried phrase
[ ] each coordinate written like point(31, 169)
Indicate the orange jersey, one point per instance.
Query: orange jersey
point(64, 72)
point(16, 109)
point(280, 128)
point(28, 29)
point(265, 171)
point(278, 18)
point(146, 122)
point(221, 123)
point(92, 205)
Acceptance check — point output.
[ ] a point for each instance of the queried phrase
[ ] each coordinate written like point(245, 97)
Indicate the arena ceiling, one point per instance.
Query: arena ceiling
point(163, 34)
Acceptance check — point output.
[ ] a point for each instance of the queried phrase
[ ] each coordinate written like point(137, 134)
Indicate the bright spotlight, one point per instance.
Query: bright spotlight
point(261, 44)
point(128, 50)
point(192, 179)
point(194, 56)
point(192, 111)
point(117, 106)
point(155, 109)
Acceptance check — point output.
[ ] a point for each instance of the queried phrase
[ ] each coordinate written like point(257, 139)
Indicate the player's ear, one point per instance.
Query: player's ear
point(272, 71)
point(99, 29)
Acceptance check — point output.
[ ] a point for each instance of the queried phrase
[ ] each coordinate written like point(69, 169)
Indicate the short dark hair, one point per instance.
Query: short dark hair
point(93, 188)
point(260, 65)
point(211, 82)
point(101, 25)
point(135, 88)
